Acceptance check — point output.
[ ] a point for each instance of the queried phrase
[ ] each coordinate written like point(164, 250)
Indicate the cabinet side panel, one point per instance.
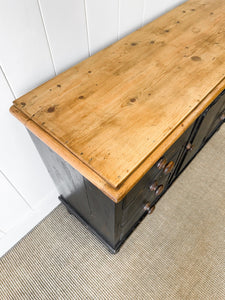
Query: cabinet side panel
point(87, 202)
point(68, 181)
point(103, 214)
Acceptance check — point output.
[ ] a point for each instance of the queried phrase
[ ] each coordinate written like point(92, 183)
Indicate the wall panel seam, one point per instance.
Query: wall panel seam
point(7, 81)
point(143, 13)
point(12, 185)
point(87, 27)
point(46, 35)
point(118, 21)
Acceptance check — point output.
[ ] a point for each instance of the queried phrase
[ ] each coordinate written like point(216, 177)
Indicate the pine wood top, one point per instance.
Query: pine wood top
point(112, 112)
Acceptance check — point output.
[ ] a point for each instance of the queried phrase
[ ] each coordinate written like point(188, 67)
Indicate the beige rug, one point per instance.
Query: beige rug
point(176, 253)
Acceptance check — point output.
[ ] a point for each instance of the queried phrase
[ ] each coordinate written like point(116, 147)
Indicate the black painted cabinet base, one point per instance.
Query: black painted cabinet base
point(113, 222)
point(114, 249)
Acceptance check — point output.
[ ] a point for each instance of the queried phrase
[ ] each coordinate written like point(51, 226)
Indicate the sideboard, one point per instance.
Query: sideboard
point(117, 129)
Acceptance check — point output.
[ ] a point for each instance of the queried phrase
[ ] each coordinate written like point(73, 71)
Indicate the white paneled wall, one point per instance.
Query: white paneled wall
point(39, 39)
point(130, 16)
point(12, 207)
point(19, 160)
point(102, 23)
point(66, 30)
point(156, 8)
point(24, 53)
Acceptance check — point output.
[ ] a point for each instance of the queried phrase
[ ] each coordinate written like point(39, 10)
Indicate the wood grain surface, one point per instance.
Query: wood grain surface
point(117, 194)
point(113, 110)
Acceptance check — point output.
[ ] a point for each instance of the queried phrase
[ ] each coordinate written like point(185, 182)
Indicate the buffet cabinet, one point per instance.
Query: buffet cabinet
point(114, 222)
point(117, 129)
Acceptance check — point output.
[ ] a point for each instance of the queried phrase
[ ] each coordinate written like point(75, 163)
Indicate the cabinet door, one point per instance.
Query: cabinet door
point(154, 183)
point(218, 119)
point(205, 126)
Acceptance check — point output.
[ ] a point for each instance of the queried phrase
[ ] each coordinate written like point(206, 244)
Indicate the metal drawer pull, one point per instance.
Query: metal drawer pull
point(149, 208)
point(154, 187)
point(161, 163)
point(169, 167)
point(159, 190)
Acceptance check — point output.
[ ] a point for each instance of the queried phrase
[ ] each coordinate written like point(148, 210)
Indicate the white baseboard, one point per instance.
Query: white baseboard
point(28, 222)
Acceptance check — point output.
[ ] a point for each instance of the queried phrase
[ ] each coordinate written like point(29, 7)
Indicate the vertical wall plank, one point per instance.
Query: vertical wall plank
point(102, 20)
point(130, 16)
point(6, 97)
point(19, 159)
point(65, 25)
point(12, 206)
point(2, 234)
point(24, 51)
point(154, 9)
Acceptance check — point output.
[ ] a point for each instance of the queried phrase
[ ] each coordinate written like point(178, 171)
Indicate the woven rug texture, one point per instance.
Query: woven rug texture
point(178, 252)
